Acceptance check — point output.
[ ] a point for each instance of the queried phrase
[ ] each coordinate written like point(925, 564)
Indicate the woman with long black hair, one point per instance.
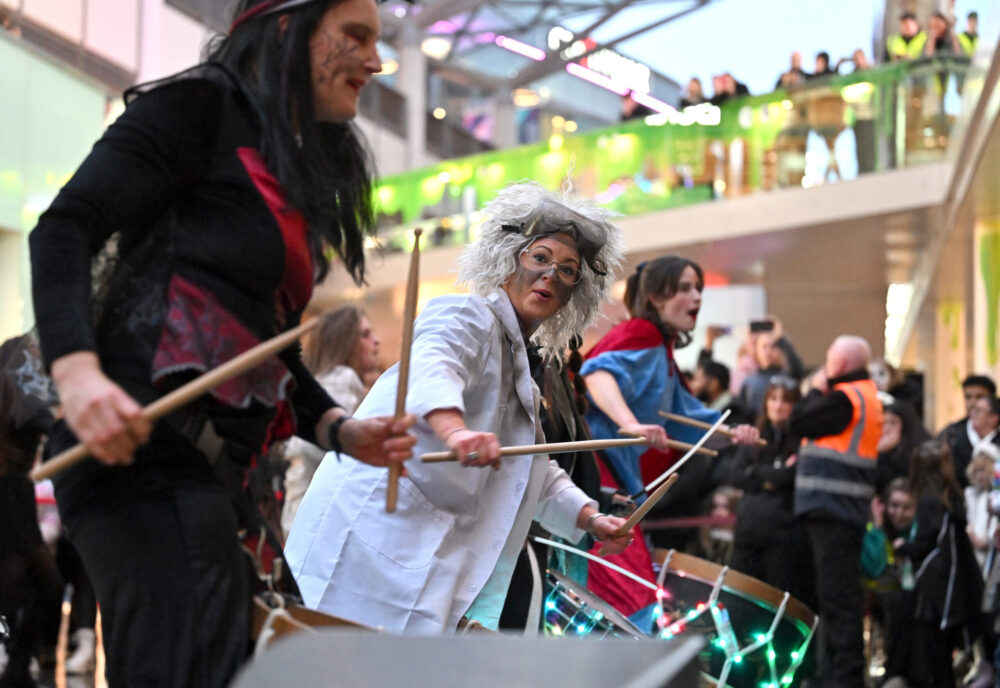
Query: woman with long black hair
point(211, 202)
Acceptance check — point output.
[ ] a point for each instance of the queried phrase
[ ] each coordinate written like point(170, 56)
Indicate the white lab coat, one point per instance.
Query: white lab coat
point(457, 531)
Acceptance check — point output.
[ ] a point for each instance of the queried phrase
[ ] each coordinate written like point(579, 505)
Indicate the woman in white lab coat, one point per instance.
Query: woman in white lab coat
point(539, 271)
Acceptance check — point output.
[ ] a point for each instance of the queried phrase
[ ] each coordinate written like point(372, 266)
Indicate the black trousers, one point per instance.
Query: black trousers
point(787, 567)
point(173, 587)
point(836, 549)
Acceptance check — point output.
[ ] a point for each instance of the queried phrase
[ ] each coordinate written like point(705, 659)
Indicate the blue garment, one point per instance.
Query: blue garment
point(636, 355)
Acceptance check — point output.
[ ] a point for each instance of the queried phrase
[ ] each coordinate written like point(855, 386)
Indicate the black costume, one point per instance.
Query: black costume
point(210, 261)
point(948, 592)
point(768, 542)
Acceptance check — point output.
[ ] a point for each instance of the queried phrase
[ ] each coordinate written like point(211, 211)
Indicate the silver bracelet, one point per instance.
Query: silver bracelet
point(453, 432)
point(590, 522)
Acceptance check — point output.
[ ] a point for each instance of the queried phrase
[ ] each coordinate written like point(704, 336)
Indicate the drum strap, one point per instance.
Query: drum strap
point(533, 621)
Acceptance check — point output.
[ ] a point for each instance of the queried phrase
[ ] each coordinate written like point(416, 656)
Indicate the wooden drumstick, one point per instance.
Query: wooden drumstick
point(677, 466)
point(557, 448)
point(676, 444)
point(409, 315)
point(185, 394)
point(643, 509)
point(684, 420)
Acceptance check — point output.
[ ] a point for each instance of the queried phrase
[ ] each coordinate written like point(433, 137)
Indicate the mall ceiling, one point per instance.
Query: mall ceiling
point(464, 27)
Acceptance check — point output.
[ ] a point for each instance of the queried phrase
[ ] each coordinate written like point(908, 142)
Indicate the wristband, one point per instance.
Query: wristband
point(334, 433)
point(454, 431)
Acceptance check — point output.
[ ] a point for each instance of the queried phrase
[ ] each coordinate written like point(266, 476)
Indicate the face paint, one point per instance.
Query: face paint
point(537, 294)
point(342, 58)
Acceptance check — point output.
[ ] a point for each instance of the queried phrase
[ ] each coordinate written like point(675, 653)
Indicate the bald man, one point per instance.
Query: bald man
point(840, 421)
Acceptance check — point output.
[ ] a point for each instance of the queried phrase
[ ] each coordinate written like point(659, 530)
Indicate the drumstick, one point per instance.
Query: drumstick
point(684, 420)
point(675, 444)
point(642, 510)
point(594, 558)
point(409, 315)
point(697, 445)
point(556, 448)
point(187, 393)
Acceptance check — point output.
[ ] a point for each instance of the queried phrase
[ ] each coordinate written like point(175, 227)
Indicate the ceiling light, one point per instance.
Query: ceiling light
point(525, 98)
point(435, 47)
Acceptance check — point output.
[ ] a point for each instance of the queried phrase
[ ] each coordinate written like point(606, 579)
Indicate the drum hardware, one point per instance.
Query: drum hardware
point(572, 610)
point(276, 615)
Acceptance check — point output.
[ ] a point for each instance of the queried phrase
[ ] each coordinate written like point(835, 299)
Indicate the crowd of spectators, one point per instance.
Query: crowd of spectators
point(911, 42)
point(932, 523)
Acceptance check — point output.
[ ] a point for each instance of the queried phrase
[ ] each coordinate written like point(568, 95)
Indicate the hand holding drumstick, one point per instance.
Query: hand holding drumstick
point(741, 434)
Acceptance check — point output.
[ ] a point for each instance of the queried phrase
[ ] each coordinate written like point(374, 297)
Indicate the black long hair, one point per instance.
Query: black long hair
point(324, 168)
point(932, 472)
point(659, 276)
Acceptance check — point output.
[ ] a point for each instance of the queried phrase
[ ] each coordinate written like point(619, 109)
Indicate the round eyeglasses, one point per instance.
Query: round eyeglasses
point(541, 261)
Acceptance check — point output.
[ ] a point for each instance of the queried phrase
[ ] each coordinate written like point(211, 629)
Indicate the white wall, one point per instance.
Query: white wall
point(171, 41)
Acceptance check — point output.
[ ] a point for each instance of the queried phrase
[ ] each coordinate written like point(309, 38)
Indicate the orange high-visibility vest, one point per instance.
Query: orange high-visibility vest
point(835, 475)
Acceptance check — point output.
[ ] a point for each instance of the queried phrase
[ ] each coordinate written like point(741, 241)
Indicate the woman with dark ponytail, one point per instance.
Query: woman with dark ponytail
point(208, 210)
point(631, 376)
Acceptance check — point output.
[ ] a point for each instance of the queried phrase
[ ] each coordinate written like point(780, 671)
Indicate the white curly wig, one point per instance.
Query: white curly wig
point(487, 264)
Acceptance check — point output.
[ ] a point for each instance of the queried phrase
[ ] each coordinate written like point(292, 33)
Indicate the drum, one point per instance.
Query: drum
point(571, 609)
point(757, 635)
point(275, 616)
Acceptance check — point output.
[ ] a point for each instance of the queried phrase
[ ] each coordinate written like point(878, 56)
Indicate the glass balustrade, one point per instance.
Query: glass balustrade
point(824, 132)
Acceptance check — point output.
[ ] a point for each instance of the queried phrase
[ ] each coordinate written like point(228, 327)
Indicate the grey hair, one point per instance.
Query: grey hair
point(489, 262)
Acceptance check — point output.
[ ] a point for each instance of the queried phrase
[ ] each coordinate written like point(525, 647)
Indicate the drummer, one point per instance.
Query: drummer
point(631, 375)
point(538, 274)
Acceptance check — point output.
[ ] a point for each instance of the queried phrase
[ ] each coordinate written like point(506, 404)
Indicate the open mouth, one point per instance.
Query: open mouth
point(356, 84)
point(543, 294)
point(694, 313)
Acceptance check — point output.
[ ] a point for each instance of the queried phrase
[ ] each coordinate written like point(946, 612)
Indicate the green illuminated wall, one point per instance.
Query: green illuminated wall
point(637, 167)
point(51, 118)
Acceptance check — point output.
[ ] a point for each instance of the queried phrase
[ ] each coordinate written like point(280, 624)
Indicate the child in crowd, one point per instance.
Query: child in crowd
point(888, 576)
point(982, 522)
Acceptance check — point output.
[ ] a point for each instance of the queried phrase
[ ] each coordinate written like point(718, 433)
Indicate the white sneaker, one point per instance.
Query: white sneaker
point(82, 659)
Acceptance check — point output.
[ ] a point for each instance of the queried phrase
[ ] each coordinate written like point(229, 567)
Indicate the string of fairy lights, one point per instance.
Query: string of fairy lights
point(567, 613)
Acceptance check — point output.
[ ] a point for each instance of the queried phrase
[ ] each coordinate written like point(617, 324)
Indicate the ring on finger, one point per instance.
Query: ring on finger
point(472, 455)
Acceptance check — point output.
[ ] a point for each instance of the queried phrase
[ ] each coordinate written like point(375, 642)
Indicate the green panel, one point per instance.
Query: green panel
point(645, 166)
point(989, 266)
point(51, 118)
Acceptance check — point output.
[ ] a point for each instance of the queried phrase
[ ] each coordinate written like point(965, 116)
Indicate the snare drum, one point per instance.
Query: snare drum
point(571, 609)
point(757, 635)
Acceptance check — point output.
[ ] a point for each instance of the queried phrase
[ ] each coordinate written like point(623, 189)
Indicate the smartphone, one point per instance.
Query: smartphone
point(761, 325)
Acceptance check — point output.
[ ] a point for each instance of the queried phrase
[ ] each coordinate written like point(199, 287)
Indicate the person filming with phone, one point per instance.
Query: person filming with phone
point(773, 354)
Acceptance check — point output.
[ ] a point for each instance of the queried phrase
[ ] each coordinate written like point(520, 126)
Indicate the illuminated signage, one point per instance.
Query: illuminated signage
point(629, 73)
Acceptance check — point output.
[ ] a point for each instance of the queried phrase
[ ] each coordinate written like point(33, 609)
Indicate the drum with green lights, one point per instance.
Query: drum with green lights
point(571, 609)
point(757, 635)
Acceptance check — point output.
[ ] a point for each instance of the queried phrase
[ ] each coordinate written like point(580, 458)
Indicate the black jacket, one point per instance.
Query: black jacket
point(949, 586)
point(170, 179)
point(765, 515)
